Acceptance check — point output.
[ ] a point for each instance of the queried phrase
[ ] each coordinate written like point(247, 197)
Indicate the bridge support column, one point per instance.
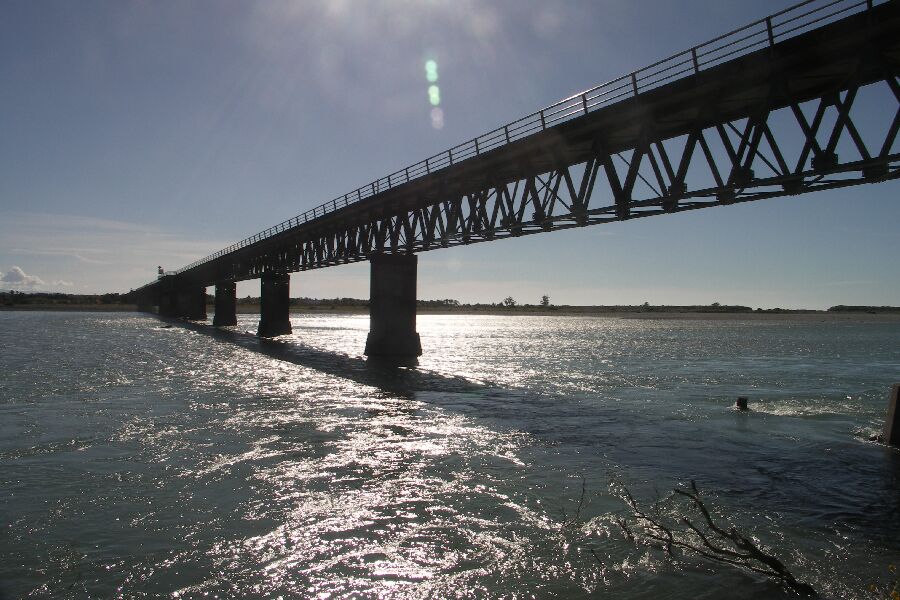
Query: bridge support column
point(392, 308)
point(191, 303)
point(145, 302)
point(226, 304)
point(168, 304)
point(274, 305)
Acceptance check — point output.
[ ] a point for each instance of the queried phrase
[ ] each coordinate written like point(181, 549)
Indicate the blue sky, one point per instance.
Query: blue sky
point(144, 133)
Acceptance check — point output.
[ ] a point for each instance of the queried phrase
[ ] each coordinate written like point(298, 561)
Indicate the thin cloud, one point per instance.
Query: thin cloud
point(100, 254)
point(60, 252)
point(850, 283)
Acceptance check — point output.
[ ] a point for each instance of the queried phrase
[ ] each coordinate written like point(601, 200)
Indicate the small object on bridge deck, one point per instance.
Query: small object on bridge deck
point(892, 422)
point(741, 403)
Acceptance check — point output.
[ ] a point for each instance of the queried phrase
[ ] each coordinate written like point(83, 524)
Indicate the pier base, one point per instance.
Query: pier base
point(167, 305)
point(226, 304)
point(191, 303)
point(392, 309)
point(274, 305)
point(892, 422)
point(168, 297)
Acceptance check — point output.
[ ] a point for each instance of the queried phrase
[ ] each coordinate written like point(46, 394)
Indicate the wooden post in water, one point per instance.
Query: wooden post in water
point(892, 422)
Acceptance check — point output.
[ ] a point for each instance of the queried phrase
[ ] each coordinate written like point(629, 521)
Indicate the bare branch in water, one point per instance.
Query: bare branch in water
point(709, 540)
point(577, 517)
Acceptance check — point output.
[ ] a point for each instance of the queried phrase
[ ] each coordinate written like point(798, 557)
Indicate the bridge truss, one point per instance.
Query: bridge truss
point(759, 115)
point(785, 146)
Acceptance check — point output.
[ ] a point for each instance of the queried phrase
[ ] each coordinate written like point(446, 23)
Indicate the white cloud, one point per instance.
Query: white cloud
point(16, 277)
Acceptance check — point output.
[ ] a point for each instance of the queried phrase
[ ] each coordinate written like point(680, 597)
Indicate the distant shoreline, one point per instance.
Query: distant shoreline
point(571, 311)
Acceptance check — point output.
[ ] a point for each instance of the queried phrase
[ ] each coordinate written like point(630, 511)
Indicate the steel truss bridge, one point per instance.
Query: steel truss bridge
point(803, 100)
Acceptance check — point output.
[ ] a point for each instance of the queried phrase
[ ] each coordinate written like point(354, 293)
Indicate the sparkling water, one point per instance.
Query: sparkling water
point(140, 458)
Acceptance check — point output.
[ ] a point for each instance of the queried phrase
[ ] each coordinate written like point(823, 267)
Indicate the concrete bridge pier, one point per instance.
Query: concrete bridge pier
point(274, 305)
point(226, 304)
point(392, 308)
point(168, 305)
point(191, 303)
point(168, 297)
point(145, 302)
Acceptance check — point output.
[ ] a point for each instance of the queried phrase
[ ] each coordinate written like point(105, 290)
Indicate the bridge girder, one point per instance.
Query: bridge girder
point(741, 160)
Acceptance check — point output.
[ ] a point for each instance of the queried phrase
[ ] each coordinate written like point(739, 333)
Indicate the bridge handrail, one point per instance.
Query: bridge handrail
point(764, 32)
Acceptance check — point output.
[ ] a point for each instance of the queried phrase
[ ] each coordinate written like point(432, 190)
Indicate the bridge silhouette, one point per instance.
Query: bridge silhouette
point(766, 110)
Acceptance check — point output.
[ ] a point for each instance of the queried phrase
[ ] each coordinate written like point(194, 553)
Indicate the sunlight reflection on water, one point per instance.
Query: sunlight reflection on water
point(184, 461)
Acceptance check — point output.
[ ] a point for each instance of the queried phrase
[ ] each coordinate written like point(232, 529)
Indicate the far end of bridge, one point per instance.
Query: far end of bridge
point(392, 305)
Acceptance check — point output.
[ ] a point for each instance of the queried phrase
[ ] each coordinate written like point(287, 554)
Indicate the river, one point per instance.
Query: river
point(141, 460)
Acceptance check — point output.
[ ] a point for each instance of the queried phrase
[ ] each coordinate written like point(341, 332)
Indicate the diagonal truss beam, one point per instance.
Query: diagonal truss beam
point(770, 153)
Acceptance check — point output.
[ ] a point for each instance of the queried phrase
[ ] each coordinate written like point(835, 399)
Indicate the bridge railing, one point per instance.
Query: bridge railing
point(792, 21)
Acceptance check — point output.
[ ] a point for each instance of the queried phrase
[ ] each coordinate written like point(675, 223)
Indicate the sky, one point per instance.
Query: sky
point(138, 133)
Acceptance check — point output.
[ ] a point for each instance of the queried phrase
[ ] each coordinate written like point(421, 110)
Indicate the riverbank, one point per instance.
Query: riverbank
point(71, 307)
point(530, 311)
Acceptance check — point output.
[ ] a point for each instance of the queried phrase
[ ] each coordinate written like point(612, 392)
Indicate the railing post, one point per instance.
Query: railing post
point(634, 84)
point(427, 166)
point(695, 60)
point(450, 155)
point(584, 102)
point(476, 146)
point(406, 170)
point(543, 122)
point(770, 31)
point(389, 181)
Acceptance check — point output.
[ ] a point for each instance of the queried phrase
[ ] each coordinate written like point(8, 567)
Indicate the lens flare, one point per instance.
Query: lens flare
point(437, 118)
point(434, 95)
point(431, 72)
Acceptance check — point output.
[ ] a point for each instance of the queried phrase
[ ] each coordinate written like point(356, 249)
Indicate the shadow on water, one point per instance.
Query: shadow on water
point(398, 380)
point(856, 484)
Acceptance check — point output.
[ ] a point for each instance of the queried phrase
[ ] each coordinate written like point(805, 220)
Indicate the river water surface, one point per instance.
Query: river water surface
point(139, 460)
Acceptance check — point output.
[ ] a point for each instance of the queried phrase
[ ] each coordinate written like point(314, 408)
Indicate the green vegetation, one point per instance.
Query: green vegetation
point(113, 301)
point(23, 299)
point(865, 309)
point(331, 302)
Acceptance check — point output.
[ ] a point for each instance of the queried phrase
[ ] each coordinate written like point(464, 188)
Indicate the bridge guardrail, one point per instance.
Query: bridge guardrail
point(787, 23)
